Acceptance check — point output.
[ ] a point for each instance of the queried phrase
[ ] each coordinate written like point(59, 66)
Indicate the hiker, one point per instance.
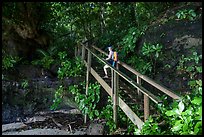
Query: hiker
point(112, 59)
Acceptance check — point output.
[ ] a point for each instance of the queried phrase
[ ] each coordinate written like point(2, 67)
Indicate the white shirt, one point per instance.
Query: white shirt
point(110, 56)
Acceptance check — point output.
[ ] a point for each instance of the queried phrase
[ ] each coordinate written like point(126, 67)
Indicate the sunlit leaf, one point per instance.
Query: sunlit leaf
point(197, 100)
point(181, 106)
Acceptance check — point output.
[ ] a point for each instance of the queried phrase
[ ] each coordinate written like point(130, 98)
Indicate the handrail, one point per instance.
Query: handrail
point(142, 89)
point(145, 78)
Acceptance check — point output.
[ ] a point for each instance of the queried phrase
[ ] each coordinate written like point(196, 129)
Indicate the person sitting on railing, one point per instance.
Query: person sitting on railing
point(112, 59)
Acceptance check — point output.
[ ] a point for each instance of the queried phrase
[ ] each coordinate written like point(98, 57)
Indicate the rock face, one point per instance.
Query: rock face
point(20, 99)
point(95, 129)
point(15, 45)
point(59, 122)
point(13, 127)
point(178, 37)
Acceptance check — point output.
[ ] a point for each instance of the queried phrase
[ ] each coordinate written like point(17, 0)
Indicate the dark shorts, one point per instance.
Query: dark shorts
point(112, 62)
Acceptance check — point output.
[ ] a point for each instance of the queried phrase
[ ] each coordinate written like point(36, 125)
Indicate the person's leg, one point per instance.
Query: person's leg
point(105, 70)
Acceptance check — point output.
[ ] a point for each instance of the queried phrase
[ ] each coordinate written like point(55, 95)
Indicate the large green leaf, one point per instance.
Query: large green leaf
point(170, 113)
point(197, 100)
point(178, 125)
point(96, 113)
point(185, 127)
point(196, 128)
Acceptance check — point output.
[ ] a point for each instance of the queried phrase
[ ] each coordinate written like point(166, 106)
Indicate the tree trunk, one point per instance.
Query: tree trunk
point(102, 20)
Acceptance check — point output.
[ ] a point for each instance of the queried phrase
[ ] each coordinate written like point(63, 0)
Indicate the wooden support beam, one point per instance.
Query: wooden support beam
point(115, 97)
point(87, 77)
point(146, 107)
point(102, 82)
point(115, 88)
point(138, 82)
point(131, 115)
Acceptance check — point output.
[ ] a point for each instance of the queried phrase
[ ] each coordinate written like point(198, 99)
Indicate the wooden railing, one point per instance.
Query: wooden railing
point(113, 90)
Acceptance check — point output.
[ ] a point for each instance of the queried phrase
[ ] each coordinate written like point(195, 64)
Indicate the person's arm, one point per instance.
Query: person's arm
point(109, 56)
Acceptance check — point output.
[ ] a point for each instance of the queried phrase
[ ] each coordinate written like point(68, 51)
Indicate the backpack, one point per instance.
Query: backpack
point(115, 56)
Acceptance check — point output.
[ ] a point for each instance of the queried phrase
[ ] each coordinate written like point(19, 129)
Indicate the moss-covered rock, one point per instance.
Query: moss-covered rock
point(178, 37)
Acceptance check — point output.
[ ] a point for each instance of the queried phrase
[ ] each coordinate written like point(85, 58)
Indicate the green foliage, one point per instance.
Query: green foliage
point(69, 67)
point(57, 97)
point(87, 103)
point(45, 62)
point(46, 57)
point(150, 127)
point(186, 117)
point(140, 64)
point(152, 53)
point(62, 55)
point(107, 113)
point(24, 84)
point(146, 64)
point(182, 117)
point(196, 86)
point(8, 61)
point(186, 14)
point(129, 41)
point(64, 69)
point(190, 65)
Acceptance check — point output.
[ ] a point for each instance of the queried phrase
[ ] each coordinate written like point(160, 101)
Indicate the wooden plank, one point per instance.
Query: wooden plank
point(145, 78)
point(146, 107)
point(127, 110)
point(131, 115)
point(101, 81)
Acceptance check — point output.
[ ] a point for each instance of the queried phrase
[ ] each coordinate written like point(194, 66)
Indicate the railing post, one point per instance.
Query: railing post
point(138, 82)
point(87, 77)
point(115, 85)
point(146, 107)
point(112, 82)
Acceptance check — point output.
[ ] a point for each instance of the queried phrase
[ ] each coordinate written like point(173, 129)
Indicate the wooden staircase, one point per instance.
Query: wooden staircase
point(124, 90)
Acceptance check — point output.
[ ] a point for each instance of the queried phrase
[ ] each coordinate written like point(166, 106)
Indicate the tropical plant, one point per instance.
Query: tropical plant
point(57, 97)
point(129, 41)
point(8, 61)
point(87, 103)
point(186, 14)
point(152, 53)
point(24, 84)
point(186, 117)
point(69, 67)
